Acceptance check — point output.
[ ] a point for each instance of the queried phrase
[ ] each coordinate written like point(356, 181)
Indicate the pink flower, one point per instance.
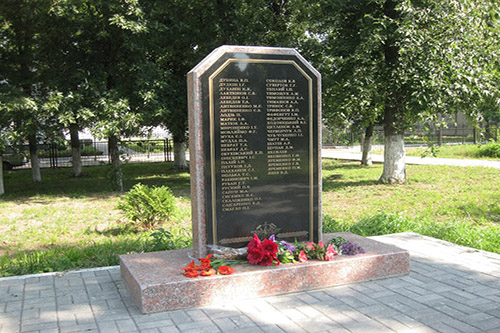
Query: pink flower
point(302, 256)
point(330, 252)
point(310, 246)
point(321, 245)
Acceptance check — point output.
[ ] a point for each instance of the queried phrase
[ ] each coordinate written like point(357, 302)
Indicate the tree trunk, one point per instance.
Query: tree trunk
point(180, 155)
point(440, 135)
point(394, 160)
point(2, 190)
point(366, 149)
point(76, 157)
point(394, 148)
point(116, 168)
point(35, 161)
point(487, 131)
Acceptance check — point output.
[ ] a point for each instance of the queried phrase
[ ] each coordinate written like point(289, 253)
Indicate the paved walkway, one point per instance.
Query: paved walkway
point(354, 154)
point(450, 289)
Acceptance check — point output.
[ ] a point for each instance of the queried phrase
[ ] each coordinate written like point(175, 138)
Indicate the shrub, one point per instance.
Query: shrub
point(491, 149)
point(161, 240)
point(148, 207)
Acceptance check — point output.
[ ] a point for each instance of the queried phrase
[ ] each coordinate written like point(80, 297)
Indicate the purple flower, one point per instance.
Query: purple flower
point(351, 249)
point(288, 247)
point(272, 238)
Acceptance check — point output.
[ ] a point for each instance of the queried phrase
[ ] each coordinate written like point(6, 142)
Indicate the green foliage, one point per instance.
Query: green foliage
point(491, 149)
point(459, 232)
point(397, 62)
point(337, 242)
point(148, 207)
point(162, 240)
point(66, 152)
point(93, 254)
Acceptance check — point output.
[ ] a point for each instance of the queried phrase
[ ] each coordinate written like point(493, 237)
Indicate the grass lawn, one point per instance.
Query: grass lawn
point(468, 151)
point(66, 223)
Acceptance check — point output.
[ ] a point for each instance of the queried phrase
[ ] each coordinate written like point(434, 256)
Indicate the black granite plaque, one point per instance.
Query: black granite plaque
point(260, 146)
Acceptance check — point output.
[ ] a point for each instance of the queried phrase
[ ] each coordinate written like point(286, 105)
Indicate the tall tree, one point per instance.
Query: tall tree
point(30, 101)
point(403, 61)
point(4, 129)
point(182, 33)
point(102, 57)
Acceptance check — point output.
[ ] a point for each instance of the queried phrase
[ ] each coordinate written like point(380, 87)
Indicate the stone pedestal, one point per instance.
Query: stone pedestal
point(156, 282)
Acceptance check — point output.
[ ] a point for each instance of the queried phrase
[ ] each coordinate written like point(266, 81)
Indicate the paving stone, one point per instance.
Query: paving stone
point(461, 326)
point(39, 326)
point(378, 310)
point(169, 329)
point(294, 314)
point(307, 298)
point(180, 316)
point(224, 324)
point(487, 324)
point(49, 330)
point(271, 329)
point(442, 327)
point(126, 325)
point(310, 312)
point(152, 324)
point(14, 306)
point(108, 326)
point(392, 324)
point(312, 325)
point(153, 317)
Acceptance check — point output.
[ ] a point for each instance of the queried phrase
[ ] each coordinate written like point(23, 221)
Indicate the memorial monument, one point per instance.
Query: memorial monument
point(254, 120)
point(255, 161)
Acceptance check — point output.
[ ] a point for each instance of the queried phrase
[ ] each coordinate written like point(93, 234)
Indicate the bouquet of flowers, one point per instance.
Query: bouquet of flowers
point(318, 251)
point(208, 267)
point(263, 253)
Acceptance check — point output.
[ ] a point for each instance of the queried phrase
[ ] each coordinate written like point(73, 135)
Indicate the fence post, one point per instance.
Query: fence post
point(52, 157)
point(165, 143)
point(168, 150)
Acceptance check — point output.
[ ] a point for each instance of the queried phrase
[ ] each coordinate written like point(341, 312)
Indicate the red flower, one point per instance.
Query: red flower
point(226, 270)
point(302, 256)
point(269, 246)
point(255, 255)
point(191, 273)
point(254, 243)
point(209, 272)
point(205, 262)
point(267, 260)
point(189, 266)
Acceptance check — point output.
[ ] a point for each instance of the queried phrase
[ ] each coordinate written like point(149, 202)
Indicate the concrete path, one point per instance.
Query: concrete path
point(354, 154)
point(450, 289)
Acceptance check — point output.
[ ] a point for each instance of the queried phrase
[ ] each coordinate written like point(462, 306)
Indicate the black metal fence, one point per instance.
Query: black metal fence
point(418, 135)
point(57, 155)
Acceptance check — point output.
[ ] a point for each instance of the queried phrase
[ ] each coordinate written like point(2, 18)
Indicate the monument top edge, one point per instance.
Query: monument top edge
point(212, 57)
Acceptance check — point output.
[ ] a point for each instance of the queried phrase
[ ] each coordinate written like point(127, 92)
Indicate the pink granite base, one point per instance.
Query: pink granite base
point(156, 282)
